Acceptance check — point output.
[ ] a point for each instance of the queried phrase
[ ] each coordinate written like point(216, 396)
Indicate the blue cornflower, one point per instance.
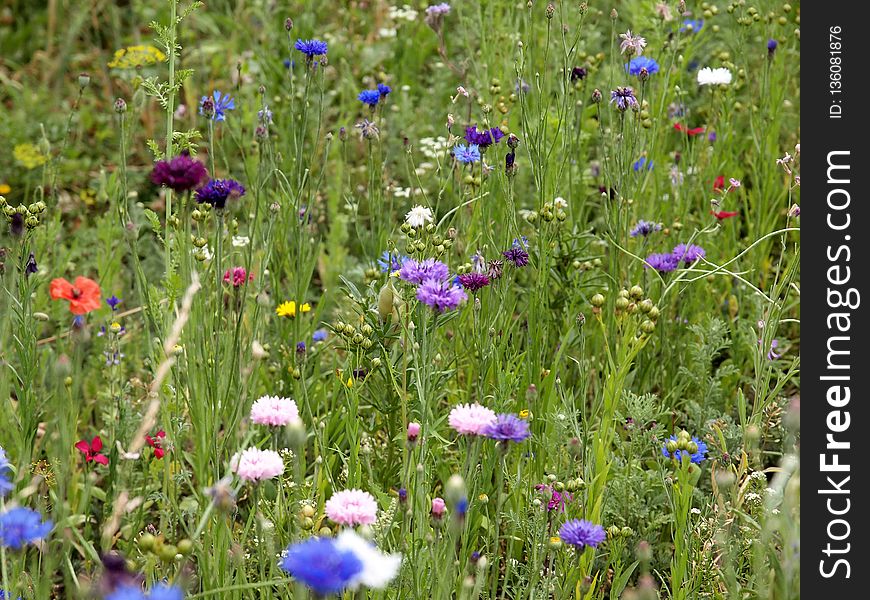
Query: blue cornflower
point(462, 507)
point(692, 25)
point(645, 228)
point(391, 261)
point(5, 485)
point(771, 46)
point(7, 595)
point(370, 97)
point(289, 63)
point(113, 301)
point(642, 164)
point(467, 154)
point(217, 191)
point(311, 48)
point(319, 336)
point(624, 98)
point(321, 565)
point(216, 107)
point(127, 592)
point(162, 591)
point(581, 533)
point(507, 428)
point(689, 253)
point(697, 457)
point(20, 526)
point(638, 63)
point(384, 89)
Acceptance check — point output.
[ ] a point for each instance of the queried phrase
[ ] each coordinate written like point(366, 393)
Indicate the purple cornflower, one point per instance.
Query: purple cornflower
point(438, 9)
point(689, 253)
point(384, 90)
point(31, 267)
point(558, 500)
point(418, 272)
point(311, 48)
point(507, 428)
point(581, 533)
point(319, 336)
point(663, 263)
point(772, 354)
point(217, 191)
point(474, 281)
point(440, 295)
point(217, 107)
point(645, 228)
point(483, 139)
point(181, 173)
point(20, 526)
point(517, 254)
point(370, 97)
point(624, 98)
point(578, 73)
point(771, 46)
point(113, 301)
point(467, 154)
point(389, 261)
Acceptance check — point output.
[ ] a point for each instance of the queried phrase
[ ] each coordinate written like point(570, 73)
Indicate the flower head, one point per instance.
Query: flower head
point(181, 173)
point(467, 154)
point(91, 450)
point(693, 131)
point(416, 272)
point(217, 191)
point(439, 507)
point(639, 63)
point(507, 428)
point(378, 569)
point(440, 295)
point(321, 565)
point(418, 216)
point(474, 281)
point(237, 276)
point(642, 164)
point(274, 411)
point(413, 431)
point(581, 533)
point(644, 228)
point(391, 261)
point(156, 442)
point(691, 25)
point(216, 107)
point(384, 90)
point(557, 500)
point(5, 485)
point(352, 507)
point(470, 419)
point(370, 97)
point(719, 76)
point(631, 44)
point(20, 526)
point(254, 464)
point(675, 453)
point(311, 48)
point(624, 98)
point(289, 308)
point(483, 139)
point(517, 254)
point(689, 253)
point(83, 296)
point(663, 263)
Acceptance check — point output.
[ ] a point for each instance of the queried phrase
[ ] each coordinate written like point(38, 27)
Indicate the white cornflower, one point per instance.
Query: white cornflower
point(240, 241)
point(378, 569)
point(418, 216)
point(718, 76)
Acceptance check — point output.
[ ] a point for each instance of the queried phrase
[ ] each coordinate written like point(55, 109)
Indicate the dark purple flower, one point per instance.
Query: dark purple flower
point(16, 225)
point(473, 281)
point(30, 267)
point(557, 500)
point(182, 173)
point(440, 295)
point(217, 191)
point(418, 272)
point(113, 301)
point(624, 98)
point(578, 73)
point(581, 533)
point(507, 428)
point(689, 253)
point(517, 254)
point(663, 263)
point(483, 139)
point(771, 46)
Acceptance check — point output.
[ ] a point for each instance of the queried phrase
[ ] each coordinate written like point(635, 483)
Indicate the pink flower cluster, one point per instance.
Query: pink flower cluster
point(470, 419)
point(237, 276)
point(352, 507)
point(274, 411)
point(254, 464)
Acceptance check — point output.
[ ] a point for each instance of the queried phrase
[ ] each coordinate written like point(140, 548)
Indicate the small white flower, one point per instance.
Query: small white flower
point(240, 241)
point(462, 91)
point(560, 202)
point(419, 216)
point(719, 76)
point(378, 569)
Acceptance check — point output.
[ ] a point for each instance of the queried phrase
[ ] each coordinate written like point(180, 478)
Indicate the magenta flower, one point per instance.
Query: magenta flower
point(181, 173)
point(237, 276)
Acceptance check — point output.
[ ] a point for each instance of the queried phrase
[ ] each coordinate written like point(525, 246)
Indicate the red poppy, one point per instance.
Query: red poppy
point(724, 214)
point(92, 450)
point(693, 131)
point(156, 442)
point(83, 296)
point(719, 184)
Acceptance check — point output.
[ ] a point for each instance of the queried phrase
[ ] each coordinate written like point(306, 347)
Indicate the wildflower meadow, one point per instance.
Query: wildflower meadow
point(478, 300)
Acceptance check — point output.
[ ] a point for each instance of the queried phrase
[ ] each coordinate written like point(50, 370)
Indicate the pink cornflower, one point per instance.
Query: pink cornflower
point(274, 411)
point(470, 419)
point(438, 507)
point(631, 43)
point(352, 507)
point(254, 464)
point(413, 431)
point(237, 276)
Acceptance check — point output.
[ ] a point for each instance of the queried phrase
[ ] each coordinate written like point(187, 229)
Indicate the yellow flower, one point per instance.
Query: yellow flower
point(133, 57)
point(4, 188)
point(29, 156)
point(524, 414)
point(286, 309)
point(304, 308)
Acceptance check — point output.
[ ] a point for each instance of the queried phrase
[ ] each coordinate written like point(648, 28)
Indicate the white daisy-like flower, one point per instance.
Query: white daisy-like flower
point(418, 216)
point(240, 241)
point(560, 202)
point(718, 76)
point(378, 569)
